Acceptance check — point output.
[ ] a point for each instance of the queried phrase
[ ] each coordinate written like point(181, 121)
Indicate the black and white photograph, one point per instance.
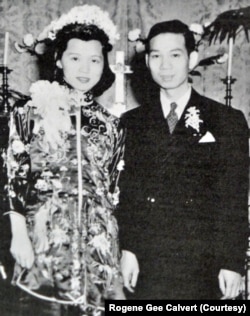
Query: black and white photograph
point(124, 154)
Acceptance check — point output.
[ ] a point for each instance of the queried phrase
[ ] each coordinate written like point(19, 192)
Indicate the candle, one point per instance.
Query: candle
point(120, 77)
point(6, 48)
point(230, 57)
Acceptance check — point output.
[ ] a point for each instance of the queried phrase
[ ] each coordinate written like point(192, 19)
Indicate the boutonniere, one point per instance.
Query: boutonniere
point(192, 118)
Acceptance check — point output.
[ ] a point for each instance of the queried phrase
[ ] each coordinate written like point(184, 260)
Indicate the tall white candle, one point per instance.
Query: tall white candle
point(120, 77)
point(230, 57)
point(6, 49)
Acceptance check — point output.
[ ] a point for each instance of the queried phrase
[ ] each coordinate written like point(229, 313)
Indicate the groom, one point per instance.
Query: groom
point(183, 209)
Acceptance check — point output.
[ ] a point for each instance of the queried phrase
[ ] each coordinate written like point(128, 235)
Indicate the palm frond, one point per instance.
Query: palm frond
point(228, 24)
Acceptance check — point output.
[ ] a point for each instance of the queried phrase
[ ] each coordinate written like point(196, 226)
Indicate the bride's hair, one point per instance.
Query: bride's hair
point(59, 45)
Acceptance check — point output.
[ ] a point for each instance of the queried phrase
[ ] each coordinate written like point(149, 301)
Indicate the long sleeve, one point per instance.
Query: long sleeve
point(232, 225)
point(18, 159)
point(130, 210)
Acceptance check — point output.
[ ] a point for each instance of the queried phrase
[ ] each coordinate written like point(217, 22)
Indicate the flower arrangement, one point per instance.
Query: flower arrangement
point(135, 36)
point(31, 45)
point(200, 33)
point(85, 14)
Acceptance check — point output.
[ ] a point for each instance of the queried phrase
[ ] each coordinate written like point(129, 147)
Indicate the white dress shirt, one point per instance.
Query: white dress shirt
point(181, 102)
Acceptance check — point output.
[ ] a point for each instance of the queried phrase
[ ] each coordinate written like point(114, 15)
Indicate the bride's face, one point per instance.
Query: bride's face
point(82, 64)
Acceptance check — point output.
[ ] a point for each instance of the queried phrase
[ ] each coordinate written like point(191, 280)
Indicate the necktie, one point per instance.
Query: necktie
point(172, 117)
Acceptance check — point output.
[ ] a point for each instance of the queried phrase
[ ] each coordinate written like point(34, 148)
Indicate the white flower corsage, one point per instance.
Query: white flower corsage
point(192, 118)
point(51, 109)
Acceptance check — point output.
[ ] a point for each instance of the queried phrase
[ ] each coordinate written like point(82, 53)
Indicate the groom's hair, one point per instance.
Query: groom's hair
point(173, 26)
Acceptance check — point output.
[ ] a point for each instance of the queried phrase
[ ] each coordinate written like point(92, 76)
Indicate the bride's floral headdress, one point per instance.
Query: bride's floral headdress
point(85, 14)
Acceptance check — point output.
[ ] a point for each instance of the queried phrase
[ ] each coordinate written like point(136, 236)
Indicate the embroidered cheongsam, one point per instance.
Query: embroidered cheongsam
point(64, 160)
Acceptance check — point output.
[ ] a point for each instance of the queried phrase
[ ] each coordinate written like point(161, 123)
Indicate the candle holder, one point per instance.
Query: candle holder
point(5, 106)
point(228, 81)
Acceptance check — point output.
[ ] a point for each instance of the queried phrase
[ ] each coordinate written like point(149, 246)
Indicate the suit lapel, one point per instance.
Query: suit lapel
point(153, 120)
point(156, 127)
point(184, 131)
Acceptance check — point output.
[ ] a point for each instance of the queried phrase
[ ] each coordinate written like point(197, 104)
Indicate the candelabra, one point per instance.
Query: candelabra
point(5, 106)
point(4, 117)
point(228, 81)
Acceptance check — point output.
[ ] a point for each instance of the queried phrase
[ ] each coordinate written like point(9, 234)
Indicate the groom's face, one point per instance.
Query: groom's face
point(168, 60)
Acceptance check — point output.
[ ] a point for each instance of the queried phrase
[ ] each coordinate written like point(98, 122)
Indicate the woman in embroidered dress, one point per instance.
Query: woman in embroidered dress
point(64, 159)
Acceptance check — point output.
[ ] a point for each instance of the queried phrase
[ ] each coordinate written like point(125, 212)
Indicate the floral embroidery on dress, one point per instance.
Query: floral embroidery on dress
point(70, 222)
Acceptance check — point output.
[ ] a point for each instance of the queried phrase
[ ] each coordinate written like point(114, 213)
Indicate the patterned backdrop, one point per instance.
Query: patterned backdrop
point(31, 16)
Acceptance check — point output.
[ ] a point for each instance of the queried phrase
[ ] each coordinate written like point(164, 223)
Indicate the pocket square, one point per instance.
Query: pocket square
point(207, 138)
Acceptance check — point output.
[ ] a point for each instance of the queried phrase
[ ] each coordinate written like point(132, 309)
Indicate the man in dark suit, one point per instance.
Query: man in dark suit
point(183, 205)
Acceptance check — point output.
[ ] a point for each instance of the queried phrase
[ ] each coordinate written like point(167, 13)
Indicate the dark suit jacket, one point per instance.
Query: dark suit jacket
point(183, 204)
